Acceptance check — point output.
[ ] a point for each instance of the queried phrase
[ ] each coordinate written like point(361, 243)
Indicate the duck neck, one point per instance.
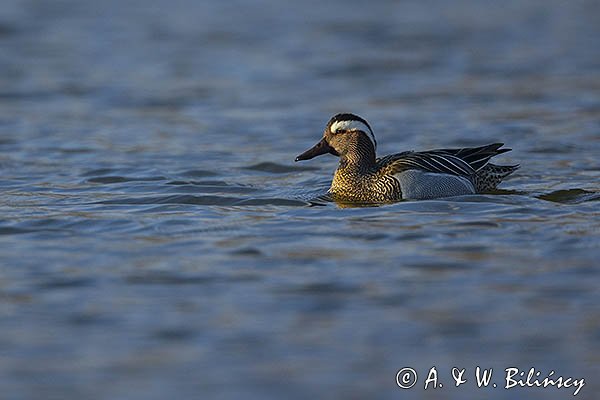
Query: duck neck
point(359, 159)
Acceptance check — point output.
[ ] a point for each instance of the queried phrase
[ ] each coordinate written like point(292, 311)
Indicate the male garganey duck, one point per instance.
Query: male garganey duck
point(362, 178)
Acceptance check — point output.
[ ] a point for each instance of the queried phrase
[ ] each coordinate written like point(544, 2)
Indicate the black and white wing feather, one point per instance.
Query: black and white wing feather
point(476, 157)
point(461, 162)
point(429, 161)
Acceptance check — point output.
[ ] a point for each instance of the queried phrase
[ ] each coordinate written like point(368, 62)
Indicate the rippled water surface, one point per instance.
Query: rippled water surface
point(156, 238)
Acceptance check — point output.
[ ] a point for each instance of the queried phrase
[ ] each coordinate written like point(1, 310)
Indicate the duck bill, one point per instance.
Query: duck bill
point(318, 149)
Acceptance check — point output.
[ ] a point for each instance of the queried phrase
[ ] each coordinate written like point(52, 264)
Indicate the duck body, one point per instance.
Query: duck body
point(363, 178)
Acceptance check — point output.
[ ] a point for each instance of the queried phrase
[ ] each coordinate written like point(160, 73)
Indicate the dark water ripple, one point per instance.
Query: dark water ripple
point(278, 168)
point(157, 238)
point(571, 196)
point(120, 179)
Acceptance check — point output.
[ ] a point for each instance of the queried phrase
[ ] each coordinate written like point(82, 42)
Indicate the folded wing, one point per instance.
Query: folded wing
point(461, 162)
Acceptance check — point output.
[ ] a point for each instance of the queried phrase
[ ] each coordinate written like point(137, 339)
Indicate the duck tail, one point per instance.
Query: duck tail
point(489, 177)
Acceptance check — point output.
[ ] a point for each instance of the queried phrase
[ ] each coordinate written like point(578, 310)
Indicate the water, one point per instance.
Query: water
point(157, 238)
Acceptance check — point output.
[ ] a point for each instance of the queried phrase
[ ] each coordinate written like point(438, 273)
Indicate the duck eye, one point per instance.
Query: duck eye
point(340, 130)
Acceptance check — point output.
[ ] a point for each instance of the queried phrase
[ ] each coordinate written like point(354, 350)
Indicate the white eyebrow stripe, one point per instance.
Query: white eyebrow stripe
point(349, 125)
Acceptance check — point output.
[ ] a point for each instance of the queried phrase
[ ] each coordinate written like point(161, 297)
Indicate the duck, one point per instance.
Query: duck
point(361, 177)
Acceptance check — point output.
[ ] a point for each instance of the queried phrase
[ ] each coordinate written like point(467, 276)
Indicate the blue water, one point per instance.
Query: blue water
point(157, 239)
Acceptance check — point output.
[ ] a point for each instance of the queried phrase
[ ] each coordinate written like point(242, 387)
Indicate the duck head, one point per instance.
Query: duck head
point(344, 133)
